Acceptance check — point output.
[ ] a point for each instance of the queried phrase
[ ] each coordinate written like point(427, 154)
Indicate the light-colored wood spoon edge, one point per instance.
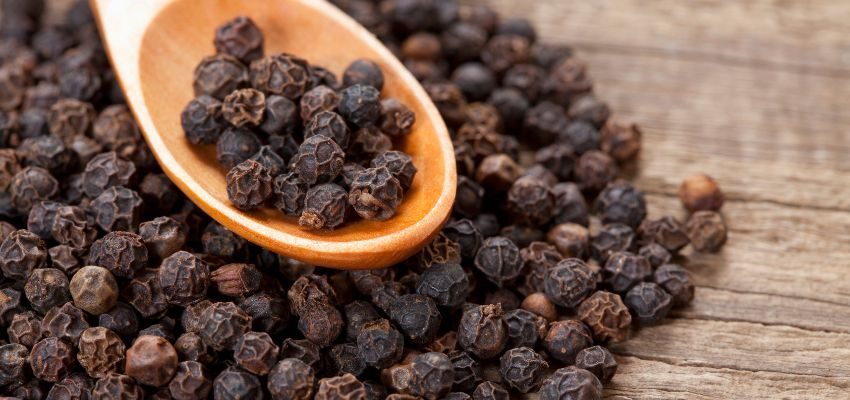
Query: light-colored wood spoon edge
point(373, 252)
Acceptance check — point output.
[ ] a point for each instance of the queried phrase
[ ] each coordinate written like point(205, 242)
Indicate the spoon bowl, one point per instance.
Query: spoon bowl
point(154, 46)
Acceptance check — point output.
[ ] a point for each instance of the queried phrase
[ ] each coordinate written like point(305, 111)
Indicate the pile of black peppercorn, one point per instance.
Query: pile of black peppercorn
point(291, 135)
point(113, 285)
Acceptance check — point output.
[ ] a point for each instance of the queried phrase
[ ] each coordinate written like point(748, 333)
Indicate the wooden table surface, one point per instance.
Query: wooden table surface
point(755, 93)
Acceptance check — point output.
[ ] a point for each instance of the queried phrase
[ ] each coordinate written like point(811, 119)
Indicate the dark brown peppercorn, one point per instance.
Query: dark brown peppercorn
point(318, 99)
point(221, 242)
point(255, 352)
point(581, 136)
point(610, 239)
point(396, 118)
point(344, 358)
point(10, 304)
point(468, 198)
point(466, 234)
point(70, 117)
point(291, 379)
point(235, 146)
point(234, 383)
point(447, 284)
point(475, 80)
point(665, 231)
point(506, 297)
point(13, 359)
point(183, 278)
point(524, 328)
point(449, 101)
point(599, 361)
point(432, 375)
point(504, 51)
point(221, 325)
point(151, 360)
point(497, 172)
point(700, 192)
point(319, 159)
point(163, 236)
point(624, 270)
point(676, 281)
point(289, 193)
point(101, 351)
point(324, 207)
point(51, 359)
point(94, 290)
point(357, 314)
point(530, 201)
point(375, 194)
point(106, 170)
point(565, 339)
point(607, 317)
point(539, 172)
point(707, 231)
point(621, 141)
point(190, 347)
point(570, 205)
point(417, 317)
point(219, 75)
point(482, 331)
point(367, 142)
point(46, 288)
point(621, 203)
point(571, 240)
point(72, 387)
point(236, 280)
point(117, 387)
point(65, 322)
point(190, 382)
point(241, 38)
point(490, 391)
point(344, 387)
point(249, 184)
point(360, 104)
point(280, 74)
point(539, 304)
point(522, 369)
point(280, 117)
point(48, 152)
point(24, 329)
point(309, 289)
point(379, 344)
point(302, 349)
point(122, 253)
point(31, 185)
point(72, 226)
point(399, 164)
point(145, 295)
point(158, 192)
point(656, 254)
point(527, 78)
point(569, 282)
point(117, 209)
point(202, 121)
point(649, 303)
point(421, 46)
point(594, 170)
point(244, 107)
point(121, 319)
point(363, 72)
point(571, 383)
point(20, 253)
point(499, 260)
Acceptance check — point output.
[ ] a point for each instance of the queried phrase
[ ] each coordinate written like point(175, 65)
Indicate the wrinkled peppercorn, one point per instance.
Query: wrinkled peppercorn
point(190, 381)
point(490, 390)
point(94, 290)
point(235, 383)
point(612, 238)
point(291, 379)
point(524, 328)
point(599, 361)
point(499, 260)
point(240, 38)
point(649, 303)
point(565, 339)
point(255, 352)
point(707, 231)
point(244, 107)
point(700, 192)
point(100, 351)
point(607, 316)
point(624, 270)
point(219, 75)
point(46, 288)
point(569, 282)
point(522, 369)
point(145, 295)
point(151, 360)
point(122, 253)
point(482, 331)
point(221, 325)
point(116, 386)
point(51, 359)
point(621, 202)
point(346, 386)
point(183, 278)
point(447, 284)
point(375, 193)
point(324, 207)
point(432, 375)
point(665, 231)
point(571, 383)
point(379, 344)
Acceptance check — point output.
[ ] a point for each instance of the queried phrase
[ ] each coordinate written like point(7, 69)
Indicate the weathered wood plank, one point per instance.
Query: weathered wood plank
point(644, 379)
point(743, 346)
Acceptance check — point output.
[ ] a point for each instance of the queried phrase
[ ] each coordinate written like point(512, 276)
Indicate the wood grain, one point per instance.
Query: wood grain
point(754, 93)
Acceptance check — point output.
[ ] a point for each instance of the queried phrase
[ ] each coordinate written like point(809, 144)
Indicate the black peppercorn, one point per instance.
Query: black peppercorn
point(522, 369)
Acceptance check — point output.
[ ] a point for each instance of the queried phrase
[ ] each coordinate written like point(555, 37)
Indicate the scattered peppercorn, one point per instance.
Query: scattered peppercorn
point(707, 231)
point(700, 192)
point(522, 369)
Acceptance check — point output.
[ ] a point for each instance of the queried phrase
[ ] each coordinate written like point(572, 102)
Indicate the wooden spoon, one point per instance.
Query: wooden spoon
point(155, 45)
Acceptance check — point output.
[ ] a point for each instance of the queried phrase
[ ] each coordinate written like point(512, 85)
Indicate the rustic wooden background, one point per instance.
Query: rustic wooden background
point(757, 94)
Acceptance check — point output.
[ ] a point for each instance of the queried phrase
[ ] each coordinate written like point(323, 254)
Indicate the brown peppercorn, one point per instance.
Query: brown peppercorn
point(321, 323)
point(594, 170)
point(236, 280)
point(101, 351)
point(51, 359)
point(106, 170)
point(676, 281)
point(241, 38)
point(122, 253)
point(565, 339)
point(362, 71)
point(219, 75)
point(183, 278)
point(10, 304)
point(117, 387)
point(571, 240)
point(665, 231)
point(236, 145)
point(70, 117)
point(25, 329)
point(482, 331)
point(399, 164)
point(318, 99)
point(324, 206)
point(569, 282)
point(504, 51)
point(46, 288)
point(397, 119)
point(620, 202)
point(700, 192)
point(190, 382)
point(610, 239)
point(499, 260)
point(94, 290)
point(367, 143)
point(20, 253)
point(280, 74)
point(190, 347)
point(568, 80)
point(621, 141)
point(707, 231)
point(145, 295)
point(13, 359)
point(599, 361)
point(441, 250)
point(319, 159)
point(291, 379)
point(530, 201)
point(432, 375)
point(202, 121)
point(571, 383)
point(65, 322)
point(151, 360)
point(624, 270)
point(221, 325)
point(497, 172)
point(289, 193)
point(117, 209)
point(656, 254)
point(421, 46)
point(607, 317)
point(522, 368)
point(74, 386)
point(375, 194)
point(346, 387)
point(244, 107)
point(163, 236)
point(540, 305)
point(489, 390)
point(379, 344)
point(255, 352)
point(249, 184)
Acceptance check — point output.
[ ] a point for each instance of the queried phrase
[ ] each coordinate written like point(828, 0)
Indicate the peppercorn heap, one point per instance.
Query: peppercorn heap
point(115, 285)
point(283, 129)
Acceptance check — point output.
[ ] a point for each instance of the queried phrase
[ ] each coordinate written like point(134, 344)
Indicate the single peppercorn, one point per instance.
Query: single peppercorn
point(289, 193)
point(649, 303)
point(610, 239)
point(24, 329)
point(379, 344)
point(700, 192)
point(594, 170)
point(522, 369)
point(499, 260)
point(599, 361)
point(624, 270)
point(399, 164)
point(241, 38)
point(360, 104)
point(221, 325)
point(530, 201)
point(236, 280)
point(183, 278)
point(665, 231)
point(244, 107)
point(163, 236)
point(291, 379)
point(319, 159)
point(621, 141)
point(117, 386)
point(324, 207)
point(620, 202)
point(524, 328)
point(20, 253)
point(51, 359)
point(565, 339)
point(432, 375)
point(202, 120)
point(190, 382)
point(145, 295)
point(416, 316)
point(318, 99)
point(151, 360)
point(117, 209)
point(447, 284)
point(13, 359)
point(106, 170)
point(396, 118)
point(488, 390)
point(46, 288)
point(571, 240)
point(707, 231)
point(482, 331)
point(344, 358)
point(65, 322)
point(607, 316)
point(94, 290)
point(122, 253)
point(74, 386)
point(365, 72)
point(569, 282)
point(279, 74)
point(539, 304)
point(571, 383)
point(497, 172)
point(100, 351)
point(235, 383)
point(375, 193)
point(255, 352)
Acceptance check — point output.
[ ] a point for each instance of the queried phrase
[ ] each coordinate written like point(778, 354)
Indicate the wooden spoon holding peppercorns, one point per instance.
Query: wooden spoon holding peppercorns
point(154, 46)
